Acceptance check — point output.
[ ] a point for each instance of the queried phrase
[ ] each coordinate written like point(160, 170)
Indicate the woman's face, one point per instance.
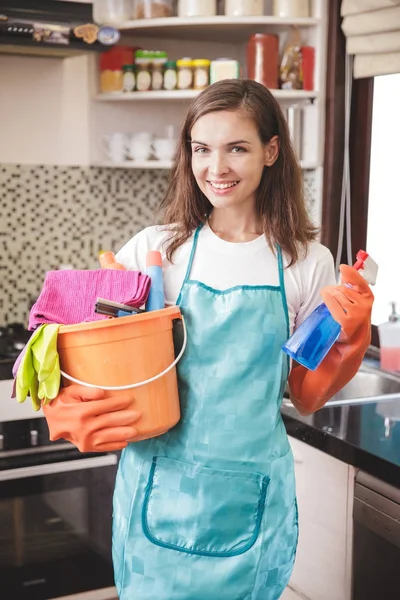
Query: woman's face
point(228, 157)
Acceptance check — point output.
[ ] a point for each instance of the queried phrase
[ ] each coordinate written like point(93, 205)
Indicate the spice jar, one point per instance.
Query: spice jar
point(128, 78)
point(152, 9)
point(170, 75)
point(197, 8)
point(143, 70)
point(201, 73)
point(185, 73)
point(157, 72)
point(263, 59)
point(244, 8)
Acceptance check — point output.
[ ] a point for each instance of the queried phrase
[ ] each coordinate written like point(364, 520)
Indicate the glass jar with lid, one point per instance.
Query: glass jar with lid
point(111, 12)
point(159, 59)
point(143, 60)
point(152, 9)
point(185, 73)
point(201, 73)
point(170, 75)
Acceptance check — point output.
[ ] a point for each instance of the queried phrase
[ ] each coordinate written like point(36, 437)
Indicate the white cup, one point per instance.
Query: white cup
point(164, 148)
point(114, 146)
point(139, 146)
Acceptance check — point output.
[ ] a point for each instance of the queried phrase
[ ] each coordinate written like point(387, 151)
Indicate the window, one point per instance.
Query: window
point(383, 230)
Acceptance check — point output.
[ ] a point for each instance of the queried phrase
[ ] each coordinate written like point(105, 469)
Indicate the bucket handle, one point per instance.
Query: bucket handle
point(139, 383)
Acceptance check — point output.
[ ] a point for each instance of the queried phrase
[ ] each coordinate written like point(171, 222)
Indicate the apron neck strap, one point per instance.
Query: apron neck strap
point(282, 287)
point(192, 253)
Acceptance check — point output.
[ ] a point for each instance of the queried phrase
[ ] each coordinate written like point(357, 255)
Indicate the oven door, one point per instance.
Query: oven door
point(55, 526)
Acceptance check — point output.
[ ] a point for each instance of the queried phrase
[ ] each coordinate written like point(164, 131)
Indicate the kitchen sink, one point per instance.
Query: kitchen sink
point(369, 385)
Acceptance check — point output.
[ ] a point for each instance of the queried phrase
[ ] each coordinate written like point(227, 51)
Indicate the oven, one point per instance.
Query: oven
point(376, 539)
point(55, 515)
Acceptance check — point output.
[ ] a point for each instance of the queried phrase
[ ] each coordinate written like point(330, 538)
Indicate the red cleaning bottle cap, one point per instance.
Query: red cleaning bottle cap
point(153, 259)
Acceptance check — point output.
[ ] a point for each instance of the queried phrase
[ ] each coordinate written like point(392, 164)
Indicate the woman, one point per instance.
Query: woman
point(208, 510)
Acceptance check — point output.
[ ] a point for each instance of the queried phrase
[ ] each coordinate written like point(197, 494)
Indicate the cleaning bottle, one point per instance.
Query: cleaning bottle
point(311, 342)
point(107, 261)
point(389, 341)
point(155, 300)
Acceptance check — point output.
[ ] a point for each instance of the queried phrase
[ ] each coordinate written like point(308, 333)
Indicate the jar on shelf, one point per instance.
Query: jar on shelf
point(263, 59)
point(143, 70)
point(201, 73)
point(111, 12)
point(111, 63)
point(170, 76)
point(224, 68)
point(197, 8)
point(159, 59)
point(128, 78)
point(185, 73)
point(294, 9)
point(152, 9)
point(244, 8)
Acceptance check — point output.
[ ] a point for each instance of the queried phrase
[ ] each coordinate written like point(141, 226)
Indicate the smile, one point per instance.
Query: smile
point(223, 186)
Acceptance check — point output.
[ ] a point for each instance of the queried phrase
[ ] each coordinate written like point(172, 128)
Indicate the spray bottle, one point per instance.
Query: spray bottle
point(311, 342)
point(155, 300)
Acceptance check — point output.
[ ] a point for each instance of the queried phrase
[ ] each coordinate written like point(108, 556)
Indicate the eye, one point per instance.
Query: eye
point(201, 150)
point(238, 149)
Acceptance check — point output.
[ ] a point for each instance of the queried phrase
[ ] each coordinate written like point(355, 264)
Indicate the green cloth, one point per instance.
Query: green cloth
point(39, 374)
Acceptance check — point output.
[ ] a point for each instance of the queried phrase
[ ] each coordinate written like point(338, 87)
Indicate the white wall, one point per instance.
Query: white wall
point(45, 111)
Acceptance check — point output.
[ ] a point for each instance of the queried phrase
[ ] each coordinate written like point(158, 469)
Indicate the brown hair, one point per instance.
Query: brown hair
point(280, 198)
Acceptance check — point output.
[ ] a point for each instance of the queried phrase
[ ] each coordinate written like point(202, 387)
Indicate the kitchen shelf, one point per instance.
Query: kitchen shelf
point(134, 164)
point(163, 164)
point(190, 94)
point(219, 28)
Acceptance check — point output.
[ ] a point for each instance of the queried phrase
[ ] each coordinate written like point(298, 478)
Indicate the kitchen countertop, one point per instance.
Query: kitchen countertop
point(366, 436)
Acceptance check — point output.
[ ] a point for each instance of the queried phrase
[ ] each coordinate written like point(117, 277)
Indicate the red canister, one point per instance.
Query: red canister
point(308, 66)
point(263, 59)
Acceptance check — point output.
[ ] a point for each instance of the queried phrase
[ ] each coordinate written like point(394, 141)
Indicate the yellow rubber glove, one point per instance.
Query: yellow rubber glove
point(90, 420)
point(39, 371)
point(350, 304)
point(46, 362)
point(26, 381)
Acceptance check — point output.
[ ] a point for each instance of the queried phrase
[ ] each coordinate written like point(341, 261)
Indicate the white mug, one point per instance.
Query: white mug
point(138, 146)
point(114, 146)
point(164, 148)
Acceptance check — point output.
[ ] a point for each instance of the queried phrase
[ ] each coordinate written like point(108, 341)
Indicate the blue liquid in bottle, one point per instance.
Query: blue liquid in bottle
point(311, 342)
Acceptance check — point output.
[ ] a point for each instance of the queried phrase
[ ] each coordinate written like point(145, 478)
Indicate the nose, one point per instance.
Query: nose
point(218, 164)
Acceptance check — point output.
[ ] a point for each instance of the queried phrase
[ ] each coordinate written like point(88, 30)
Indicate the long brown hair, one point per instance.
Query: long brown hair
point(280, 200)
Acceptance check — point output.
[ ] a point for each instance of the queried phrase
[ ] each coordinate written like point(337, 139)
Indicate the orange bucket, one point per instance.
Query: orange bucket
point(128, 353)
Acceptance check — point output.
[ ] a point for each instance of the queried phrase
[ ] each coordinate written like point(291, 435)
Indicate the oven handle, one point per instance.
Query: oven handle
point(59, 467)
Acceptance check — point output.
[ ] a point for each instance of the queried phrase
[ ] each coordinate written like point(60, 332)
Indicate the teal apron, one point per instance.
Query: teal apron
point(208, 510)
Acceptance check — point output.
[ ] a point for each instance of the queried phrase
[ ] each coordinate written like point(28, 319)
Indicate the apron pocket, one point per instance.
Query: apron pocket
point(204, 511)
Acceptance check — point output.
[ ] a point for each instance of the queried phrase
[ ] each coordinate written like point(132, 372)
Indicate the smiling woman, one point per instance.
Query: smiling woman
point(208, 510)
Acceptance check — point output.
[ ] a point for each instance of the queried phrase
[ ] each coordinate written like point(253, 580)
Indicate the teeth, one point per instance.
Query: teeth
point(223, 186)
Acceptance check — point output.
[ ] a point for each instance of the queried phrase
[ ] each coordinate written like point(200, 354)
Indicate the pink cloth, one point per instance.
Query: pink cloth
point(69, 296)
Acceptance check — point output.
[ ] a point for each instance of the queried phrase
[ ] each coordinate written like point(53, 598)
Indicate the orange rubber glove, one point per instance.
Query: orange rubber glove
point(90, 420)
point(351, 307)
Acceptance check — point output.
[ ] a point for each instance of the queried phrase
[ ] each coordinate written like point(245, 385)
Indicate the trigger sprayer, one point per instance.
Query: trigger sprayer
point(311, 342)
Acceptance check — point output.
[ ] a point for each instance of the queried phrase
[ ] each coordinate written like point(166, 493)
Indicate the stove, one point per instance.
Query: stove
point(55, 502)
point(13, 338)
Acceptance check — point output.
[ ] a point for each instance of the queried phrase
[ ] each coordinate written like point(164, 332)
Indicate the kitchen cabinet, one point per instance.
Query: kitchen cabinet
point(325, 500)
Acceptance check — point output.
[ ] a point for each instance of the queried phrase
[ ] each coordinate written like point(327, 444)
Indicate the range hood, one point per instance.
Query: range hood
point(51, 28)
